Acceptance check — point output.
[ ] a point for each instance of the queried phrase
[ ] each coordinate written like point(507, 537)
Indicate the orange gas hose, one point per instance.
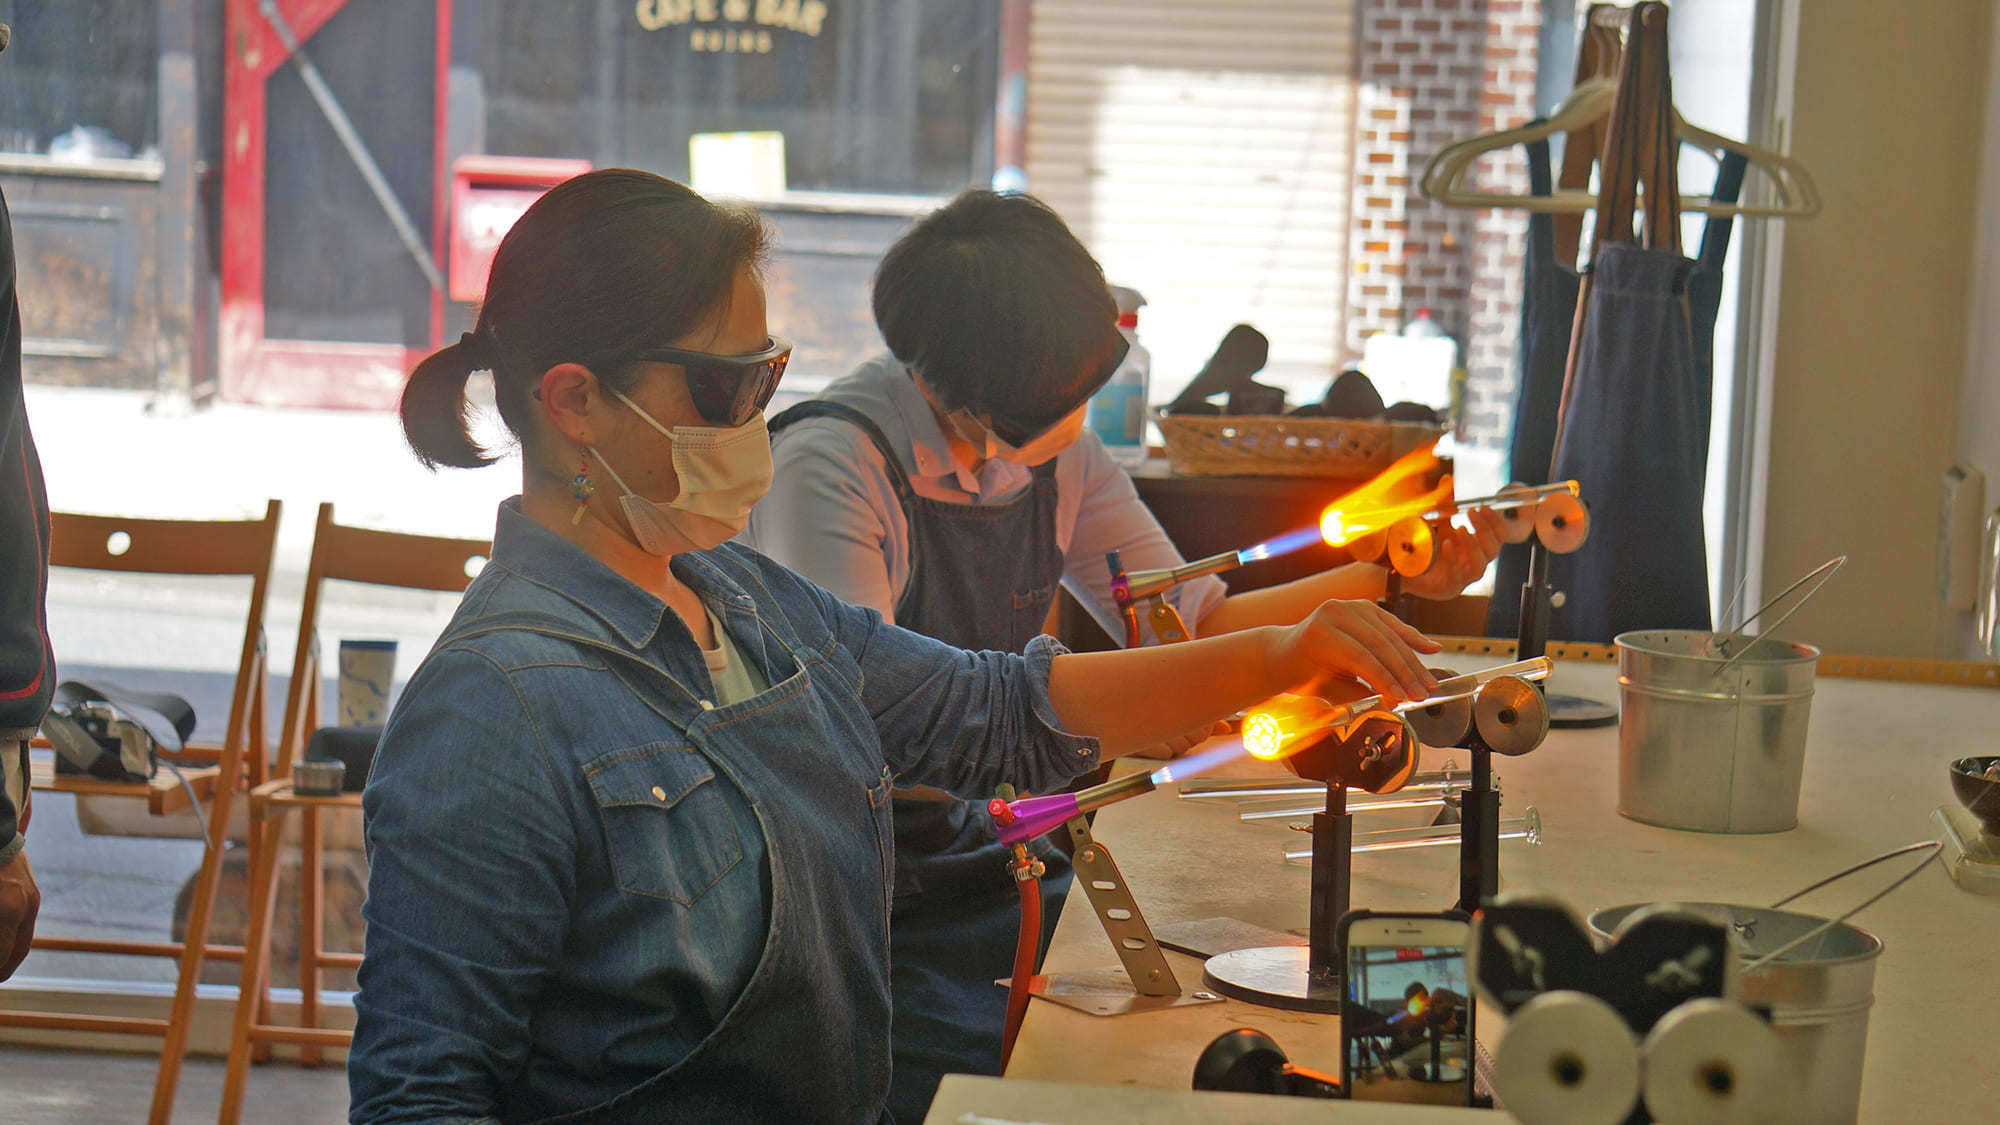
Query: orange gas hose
point(1025, 948)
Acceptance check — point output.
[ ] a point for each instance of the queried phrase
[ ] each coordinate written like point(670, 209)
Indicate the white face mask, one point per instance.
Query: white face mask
point(723, 471)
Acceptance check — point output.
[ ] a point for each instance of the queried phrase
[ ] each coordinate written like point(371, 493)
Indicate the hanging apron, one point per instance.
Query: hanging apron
point(819, 980)
point(982, 576)
point(1634, 421)
point(1548, 315)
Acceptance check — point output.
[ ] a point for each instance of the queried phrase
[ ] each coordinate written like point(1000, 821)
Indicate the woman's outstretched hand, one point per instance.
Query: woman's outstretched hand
point(1358, 639)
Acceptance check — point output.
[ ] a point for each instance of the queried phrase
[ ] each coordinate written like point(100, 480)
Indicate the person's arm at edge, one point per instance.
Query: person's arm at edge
point(20, 898)
point(27, 661)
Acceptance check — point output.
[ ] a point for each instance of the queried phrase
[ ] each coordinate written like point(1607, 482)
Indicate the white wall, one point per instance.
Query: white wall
point(1891, 117)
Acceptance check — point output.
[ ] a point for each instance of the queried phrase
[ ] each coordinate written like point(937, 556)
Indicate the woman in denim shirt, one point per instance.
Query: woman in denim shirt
point(628, 824)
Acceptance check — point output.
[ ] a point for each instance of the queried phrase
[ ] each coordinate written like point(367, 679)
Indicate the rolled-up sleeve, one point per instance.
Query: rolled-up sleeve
point(961, 721)
point(471, 878)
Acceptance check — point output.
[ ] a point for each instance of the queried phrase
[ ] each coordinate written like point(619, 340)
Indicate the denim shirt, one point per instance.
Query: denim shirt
point(595, 895)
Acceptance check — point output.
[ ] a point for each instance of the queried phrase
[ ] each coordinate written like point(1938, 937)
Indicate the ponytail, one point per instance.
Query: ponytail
point(599, 269)
point(434, 407)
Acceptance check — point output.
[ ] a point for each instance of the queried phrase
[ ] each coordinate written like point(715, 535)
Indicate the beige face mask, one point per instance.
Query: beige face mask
point(723, 472)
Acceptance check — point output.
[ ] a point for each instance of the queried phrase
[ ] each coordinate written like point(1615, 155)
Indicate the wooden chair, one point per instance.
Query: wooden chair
point(176, 547)
point(353, 554)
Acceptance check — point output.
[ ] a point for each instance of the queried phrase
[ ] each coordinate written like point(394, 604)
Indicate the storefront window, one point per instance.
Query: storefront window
point(81, 79)
point(819, 111)
point(870, 96)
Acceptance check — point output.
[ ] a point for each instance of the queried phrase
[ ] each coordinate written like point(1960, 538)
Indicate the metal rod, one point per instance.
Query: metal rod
point(1479, 834)
point(1498, 502)
point(1332, 883)
point(1502, 502)
point(1456, 687)
point(1143, 583)
point(1431, 797)
point(1527, 826)
point(1520, 496)
point(1241, 787)
point(1097, 796)
point(1823, 572)
point(1535, 607)
point(343, 129)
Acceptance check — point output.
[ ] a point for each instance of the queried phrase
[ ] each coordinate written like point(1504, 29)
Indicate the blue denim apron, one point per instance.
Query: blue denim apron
point(1548, 315)
point(982, 576)
point(820, 986)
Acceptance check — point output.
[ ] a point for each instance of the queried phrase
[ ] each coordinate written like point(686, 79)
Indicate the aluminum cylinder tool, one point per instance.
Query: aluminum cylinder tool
point(1128, 589)
point(1336, 738)
point(1023, 820)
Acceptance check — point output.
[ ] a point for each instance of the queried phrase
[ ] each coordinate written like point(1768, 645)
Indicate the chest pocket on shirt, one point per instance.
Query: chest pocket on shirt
point(666, 822)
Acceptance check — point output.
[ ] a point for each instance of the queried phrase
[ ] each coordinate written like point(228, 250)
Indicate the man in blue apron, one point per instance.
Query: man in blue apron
point(951, 485)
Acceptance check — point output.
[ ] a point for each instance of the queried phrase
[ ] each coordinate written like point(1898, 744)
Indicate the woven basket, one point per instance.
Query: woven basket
point(1279, 445)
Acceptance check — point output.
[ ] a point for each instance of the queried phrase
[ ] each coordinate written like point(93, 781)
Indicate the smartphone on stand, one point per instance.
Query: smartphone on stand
point(1406, 1023)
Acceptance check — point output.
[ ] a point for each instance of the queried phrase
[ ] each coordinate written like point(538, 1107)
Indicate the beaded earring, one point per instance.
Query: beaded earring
point(582, 487)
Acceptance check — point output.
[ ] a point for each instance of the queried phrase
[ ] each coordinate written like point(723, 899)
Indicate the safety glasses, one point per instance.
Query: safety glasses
point(727, 390)
point(1018, 430)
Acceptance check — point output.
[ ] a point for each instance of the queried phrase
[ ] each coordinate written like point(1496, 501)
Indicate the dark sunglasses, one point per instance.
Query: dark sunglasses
point(727, 390)
point(1018, 430)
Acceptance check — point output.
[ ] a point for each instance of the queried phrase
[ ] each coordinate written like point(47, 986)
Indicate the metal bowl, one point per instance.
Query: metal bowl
point(1976, 791)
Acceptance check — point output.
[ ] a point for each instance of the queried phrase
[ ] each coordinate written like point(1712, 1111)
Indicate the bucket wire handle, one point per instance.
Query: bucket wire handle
point(1823, 572)
point(1932, 846)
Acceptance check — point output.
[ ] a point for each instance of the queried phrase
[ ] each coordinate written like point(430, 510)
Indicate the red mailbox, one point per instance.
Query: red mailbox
point(487, 194)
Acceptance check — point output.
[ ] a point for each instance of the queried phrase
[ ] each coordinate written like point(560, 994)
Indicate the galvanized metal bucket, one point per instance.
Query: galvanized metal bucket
point(1815, 976)
point(1707, 749)
point(1712, 726)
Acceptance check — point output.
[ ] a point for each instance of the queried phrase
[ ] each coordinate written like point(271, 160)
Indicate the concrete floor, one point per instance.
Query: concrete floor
point(49, 1086)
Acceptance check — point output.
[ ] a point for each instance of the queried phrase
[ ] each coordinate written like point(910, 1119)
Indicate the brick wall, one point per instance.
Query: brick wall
point(1431, 72)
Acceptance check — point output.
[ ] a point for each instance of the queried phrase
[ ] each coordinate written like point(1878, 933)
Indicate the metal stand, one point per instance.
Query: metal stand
point(1567, 711)
point(1147, 983)
point(1478, 833)
point(1301, 978)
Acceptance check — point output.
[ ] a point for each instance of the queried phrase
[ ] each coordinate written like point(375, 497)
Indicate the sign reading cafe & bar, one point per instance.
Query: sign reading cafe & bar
point(733, 26)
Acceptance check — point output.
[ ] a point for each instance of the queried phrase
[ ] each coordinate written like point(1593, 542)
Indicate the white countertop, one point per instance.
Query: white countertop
point(1876, 765)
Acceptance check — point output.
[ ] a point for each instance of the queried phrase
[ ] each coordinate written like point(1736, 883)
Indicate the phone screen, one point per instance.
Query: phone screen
point(1406, 1030)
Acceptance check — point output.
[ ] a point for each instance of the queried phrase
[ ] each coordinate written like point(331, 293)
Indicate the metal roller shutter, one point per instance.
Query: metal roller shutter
point(1203, 152)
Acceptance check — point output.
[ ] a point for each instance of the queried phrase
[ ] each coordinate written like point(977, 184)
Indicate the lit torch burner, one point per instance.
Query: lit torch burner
point(1287, 723)
point(1391, 515)
point(1280, 728)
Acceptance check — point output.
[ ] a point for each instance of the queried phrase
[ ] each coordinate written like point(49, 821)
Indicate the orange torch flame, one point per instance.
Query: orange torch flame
point(1395, 493)
point(1285, 724)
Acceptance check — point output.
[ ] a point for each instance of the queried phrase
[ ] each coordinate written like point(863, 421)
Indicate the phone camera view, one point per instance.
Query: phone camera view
point(1407, 1024)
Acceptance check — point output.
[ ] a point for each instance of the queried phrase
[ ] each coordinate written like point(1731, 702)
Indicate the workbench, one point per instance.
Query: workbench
point(1876, 766)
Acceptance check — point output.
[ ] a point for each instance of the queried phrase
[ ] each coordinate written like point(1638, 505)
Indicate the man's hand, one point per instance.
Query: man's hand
point(20, 901)
point(1462, 556)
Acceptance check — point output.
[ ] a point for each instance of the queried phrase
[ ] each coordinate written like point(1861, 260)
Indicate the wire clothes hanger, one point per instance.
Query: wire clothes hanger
point(1581, 115)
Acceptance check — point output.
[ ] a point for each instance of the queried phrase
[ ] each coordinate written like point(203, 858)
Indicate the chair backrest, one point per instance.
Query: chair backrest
point(380, 558)
point(172, 546)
